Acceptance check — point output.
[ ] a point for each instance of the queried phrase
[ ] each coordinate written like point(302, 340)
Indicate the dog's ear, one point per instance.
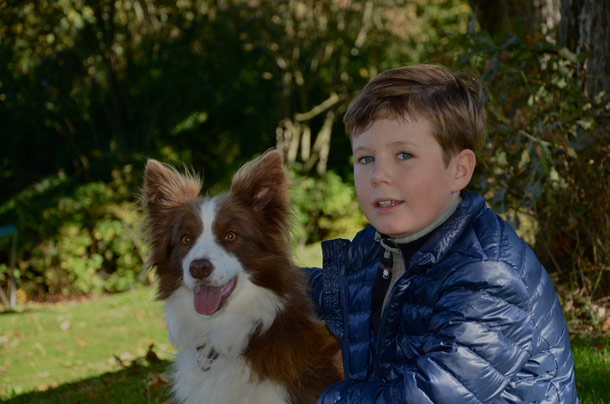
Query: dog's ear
point(165, 188)
point(262, 183)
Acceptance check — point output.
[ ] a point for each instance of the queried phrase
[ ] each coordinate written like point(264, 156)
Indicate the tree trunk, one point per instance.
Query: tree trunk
point(506, 17)
point(585, 27)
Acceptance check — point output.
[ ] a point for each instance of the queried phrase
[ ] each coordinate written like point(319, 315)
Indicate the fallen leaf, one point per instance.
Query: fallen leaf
point(598, 346)
point(158, 379)
point(606, 324)
point(156, 382)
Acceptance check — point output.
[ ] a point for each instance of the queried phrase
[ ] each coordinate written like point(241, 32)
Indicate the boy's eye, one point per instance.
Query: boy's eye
point(365, 160)
point(404, 156)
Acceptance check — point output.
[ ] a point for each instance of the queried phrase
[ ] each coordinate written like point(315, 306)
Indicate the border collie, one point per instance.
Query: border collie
point(236, 306)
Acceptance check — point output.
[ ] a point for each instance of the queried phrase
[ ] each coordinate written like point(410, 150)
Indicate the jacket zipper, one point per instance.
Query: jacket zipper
point(382, 324)
point(342, 296)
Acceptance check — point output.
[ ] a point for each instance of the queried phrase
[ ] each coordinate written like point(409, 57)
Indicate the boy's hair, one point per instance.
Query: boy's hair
point(451, 102)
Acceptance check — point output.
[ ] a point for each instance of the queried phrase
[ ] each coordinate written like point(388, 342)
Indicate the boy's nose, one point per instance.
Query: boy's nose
point(379, 175)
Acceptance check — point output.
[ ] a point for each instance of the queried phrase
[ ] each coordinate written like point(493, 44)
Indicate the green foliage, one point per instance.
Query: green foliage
point(326, 51)
point(84, 241)
point(547, 157)
point(325, 207)
point(88, 240)
point(87, 88)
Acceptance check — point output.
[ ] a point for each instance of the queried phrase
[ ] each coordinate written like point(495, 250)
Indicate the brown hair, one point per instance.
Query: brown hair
point(451, 102)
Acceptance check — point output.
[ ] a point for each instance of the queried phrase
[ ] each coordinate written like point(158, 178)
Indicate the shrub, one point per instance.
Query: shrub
point(548, 152)
point(78, 239)
point(325, 207)
point(82, 239)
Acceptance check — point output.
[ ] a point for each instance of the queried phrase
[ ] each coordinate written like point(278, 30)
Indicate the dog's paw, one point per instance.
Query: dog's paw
point(206, 355)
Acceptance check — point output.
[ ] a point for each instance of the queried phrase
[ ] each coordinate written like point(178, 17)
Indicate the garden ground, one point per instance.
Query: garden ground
point(114, 349)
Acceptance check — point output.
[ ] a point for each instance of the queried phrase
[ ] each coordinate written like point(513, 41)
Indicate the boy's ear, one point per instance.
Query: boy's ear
point(464, 163)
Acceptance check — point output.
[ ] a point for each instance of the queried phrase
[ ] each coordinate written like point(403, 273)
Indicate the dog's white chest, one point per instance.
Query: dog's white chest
point(227, 380)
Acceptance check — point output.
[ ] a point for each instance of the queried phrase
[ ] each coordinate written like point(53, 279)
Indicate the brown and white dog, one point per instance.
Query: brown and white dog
point(235, 304)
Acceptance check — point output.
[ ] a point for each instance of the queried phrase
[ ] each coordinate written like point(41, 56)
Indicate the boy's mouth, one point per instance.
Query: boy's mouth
point(386, 204)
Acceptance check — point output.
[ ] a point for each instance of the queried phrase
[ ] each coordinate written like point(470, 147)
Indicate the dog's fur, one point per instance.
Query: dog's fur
point(262, 342)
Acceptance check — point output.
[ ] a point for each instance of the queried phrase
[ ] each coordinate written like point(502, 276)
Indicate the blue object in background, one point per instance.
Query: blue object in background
point(10, 231)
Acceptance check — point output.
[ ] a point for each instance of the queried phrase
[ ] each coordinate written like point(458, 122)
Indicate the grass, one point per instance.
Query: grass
point(94, 351)
point(136, 384)
point(592, 368)
point(114, 349)
point(44, 347)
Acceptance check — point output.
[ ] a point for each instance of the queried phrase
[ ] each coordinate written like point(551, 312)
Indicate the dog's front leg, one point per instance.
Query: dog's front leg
point(206, 355)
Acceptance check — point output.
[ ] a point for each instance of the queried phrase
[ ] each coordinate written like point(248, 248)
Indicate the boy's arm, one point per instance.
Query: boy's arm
point(479, 335)
point(325, 284)
point(314, 277)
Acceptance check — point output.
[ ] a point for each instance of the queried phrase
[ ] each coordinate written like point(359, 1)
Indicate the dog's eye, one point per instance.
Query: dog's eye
point(186, 239)
point(230, 236)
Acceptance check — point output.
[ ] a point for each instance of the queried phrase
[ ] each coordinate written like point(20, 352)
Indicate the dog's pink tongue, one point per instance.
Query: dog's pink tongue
point(207, 299)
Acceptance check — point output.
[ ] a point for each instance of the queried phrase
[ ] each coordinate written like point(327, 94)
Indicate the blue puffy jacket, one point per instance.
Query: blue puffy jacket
point(475, 319)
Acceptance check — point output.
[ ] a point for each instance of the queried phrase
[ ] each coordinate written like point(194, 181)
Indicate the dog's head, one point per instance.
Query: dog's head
point(210, 245)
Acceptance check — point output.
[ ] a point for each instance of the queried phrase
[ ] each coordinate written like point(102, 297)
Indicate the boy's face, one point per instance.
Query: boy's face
point(401, 179)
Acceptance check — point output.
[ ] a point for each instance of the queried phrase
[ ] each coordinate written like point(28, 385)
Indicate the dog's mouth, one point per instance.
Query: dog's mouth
point(208, 299)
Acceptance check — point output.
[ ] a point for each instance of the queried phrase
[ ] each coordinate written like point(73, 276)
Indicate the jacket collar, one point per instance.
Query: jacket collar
point(447, 234)
point(364, 250)
point(392, 244)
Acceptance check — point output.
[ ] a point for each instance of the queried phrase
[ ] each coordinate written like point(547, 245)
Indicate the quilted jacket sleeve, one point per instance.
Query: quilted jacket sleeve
point(323, 284)
point(479, 334)
point(315, 284)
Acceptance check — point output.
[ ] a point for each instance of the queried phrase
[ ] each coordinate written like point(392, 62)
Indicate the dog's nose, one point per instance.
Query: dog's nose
point(201, 268)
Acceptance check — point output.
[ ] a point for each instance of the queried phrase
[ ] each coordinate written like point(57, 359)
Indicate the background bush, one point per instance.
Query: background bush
point(79, 239)
point(325, 207)
point(546, 164)
point(92, 240)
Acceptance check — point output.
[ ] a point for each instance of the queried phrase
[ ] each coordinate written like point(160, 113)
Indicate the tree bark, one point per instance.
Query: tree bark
point(585, 27)
point(506, 17)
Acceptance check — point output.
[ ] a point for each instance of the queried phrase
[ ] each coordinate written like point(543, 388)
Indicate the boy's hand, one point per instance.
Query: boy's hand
point(338, 362)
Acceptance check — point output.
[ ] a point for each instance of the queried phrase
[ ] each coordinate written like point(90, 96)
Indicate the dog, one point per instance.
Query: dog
point(236, 306)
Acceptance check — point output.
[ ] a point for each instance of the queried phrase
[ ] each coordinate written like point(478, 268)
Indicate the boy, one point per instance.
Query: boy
point(438, 301)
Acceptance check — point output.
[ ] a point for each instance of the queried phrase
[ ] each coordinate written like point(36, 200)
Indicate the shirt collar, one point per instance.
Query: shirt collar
point(390, 243)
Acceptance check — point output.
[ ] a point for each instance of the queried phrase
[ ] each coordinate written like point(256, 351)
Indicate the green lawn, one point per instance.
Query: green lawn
point(114, 349)
point(105, 339)
point(592, 368)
